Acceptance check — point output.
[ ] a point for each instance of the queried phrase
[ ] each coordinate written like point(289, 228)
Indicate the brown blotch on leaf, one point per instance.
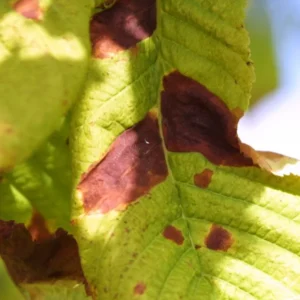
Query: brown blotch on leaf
point(197, 247)
point(218, 238)
point(195, 120)
point(46, 257)
point(30, 9)
point(203, 179)
point(173, 234)
point(139, 289)
point(122, 26)
point(134, 164)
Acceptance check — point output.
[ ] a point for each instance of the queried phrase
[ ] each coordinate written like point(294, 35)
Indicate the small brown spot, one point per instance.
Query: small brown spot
point(197, 247)
point(204, 178)
point(122, 26)
point(74, 222)
point(173, 234)
point(218, 238)
point(30, 9)
point(249, 63)
point(140, 288)
point(134, 164)
point(195, 120)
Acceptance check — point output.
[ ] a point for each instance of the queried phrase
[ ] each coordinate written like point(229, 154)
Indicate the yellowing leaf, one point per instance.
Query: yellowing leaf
point(165, 202)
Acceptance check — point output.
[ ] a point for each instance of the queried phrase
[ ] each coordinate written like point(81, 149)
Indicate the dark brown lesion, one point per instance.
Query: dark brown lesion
point(203, 179)
point(31, 256)
point(218, 238)
point(122, 26)
point(30, 9)
point(134, 164)
point(173, 234)
point(195, 120)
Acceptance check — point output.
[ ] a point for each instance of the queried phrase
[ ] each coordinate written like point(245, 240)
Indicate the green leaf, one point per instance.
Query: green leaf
point(164, 203)
point(186, 216)
point(42, 183)
point(44, 50)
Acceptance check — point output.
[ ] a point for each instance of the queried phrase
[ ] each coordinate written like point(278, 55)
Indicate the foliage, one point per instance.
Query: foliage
point(146, 171)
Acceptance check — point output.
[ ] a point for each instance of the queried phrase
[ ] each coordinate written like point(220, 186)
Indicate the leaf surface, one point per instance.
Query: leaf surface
point(165, 202)
point(42, 183)
point(186, 215)
point(44, 50)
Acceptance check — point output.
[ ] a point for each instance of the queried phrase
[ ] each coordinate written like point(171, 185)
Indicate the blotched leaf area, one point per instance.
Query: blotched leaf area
point(164, 203)
point(189, 216)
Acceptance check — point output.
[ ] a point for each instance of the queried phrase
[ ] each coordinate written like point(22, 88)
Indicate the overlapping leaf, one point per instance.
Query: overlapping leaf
point(42, 183)
point(44, 51)
point(202, 231)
